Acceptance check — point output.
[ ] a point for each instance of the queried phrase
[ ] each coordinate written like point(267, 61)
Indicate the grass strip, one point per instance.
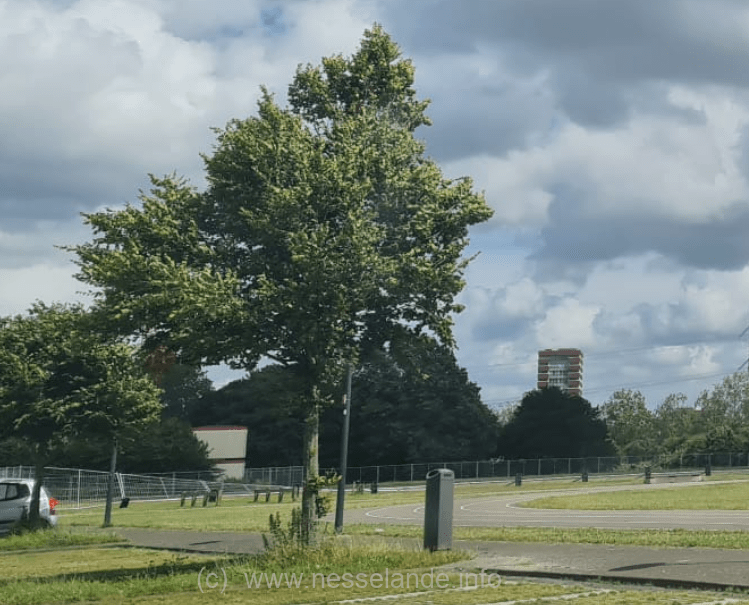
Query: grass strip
point(107, 575)
point(655, 538)
point(727, 496)
point(54, 538)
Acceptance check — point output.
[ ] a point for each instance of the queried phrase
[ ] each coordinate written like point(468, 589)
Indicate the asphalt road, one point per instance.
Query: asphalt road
point(506, 511)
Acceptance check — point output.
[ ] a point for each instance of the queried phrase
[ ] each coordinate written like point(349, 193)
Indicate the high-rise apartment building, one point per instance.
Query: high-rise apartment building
point(561, 368)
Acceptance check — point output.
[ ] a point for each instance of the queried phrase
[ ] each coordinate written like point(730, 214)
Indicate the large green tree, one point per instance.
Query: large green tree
point(414, 403)
point(411, 403)
point(631, 425)
point(61, 379)
point(323, 229)
point(268, 402)
point(550, 423)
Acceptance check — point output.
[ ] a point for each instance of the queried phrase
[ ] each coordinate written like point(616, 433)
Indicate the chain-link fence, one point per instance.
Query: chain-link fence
point(499, 468)
point(78, 488)
point(276, 475)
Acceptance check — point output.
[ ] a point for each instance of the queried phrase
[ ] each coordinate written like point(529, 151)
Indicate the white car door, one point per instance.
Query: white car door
point(13, 500)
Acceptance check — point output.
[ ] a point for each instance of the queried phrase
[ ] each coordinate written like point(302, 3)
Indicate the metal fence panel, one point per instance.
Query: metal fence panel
point(507, 469)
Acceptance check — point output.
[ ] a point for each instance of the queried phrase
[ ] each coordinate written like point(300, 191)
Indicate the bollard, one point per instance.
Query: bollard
point(438, 512)
point(647, 474)
point(519, 479)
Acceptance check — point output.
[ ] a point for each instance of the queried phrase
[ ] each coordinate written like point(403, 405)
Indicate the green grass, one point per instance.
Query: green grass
point(106, 575)
point(656, 538)
point(241, 514)
point(139, 576)
point(54, 538)
point(727, 496)
point(142, 577)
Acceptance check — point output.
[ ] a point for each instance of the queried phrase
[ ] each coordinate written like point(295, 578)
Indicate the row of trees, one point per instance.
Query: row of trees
point(411, 402)
point(717, 421)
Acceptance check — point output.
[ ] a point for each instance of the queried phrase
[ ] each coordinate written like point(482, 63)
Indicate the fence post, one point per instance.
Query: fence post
point(377, 474)
point(477, 469)
point(508, 469)
point(78, 499)
point(122, 485)
point(539, 467)
point(569, 466)
point(599, 465)
point(412, 472)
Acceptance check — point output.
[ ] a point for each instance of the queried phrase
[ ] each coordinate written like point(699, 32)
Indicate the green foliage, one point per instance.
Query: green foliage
point(183, 388)
point(716, 422)
point(550, 423)
point(631, 425)
point(283, 539)
point(268, 401)
point(411, 402)
point(314, 485)
point(60, 378)
point(15, 452)
point(323, 231)
point(168, 445)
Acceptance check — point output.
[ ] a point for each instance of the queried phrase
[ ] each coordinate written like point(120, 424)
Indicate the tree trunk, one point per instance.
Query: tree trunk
point(312, 470)
point(110, 486)
point(34, 518)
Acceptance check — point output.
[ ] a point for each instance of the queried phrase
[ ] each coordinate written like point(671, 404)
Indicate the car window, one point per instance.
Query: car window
point(9, 491)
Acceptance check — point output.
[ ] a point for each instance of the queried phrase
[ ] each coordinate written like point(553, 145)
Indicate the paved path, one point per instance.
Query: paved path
point(685, 567)
point(668, 566)
point(507, 511)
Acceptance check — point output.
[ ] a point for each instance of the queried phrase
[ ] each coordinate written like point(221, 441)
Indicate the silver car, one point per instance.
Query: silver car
point(15, 502)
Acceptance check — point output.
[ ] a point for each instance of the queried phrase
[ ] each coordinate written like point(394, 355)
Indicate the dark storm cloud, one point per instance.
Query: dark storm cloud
point(596, 54)
point(573, 237)
point(496, 119)
point(498, 327)
point(637, 39)
point(35, 188)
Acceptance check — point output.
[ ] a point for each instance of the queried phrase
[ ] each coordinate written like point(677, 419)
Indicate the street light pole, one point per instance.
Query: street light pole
point(344, 454)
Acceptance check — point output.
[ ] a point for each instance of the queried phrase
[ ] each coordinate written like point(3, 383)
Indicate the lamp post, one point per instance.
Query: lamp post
point(344, 454)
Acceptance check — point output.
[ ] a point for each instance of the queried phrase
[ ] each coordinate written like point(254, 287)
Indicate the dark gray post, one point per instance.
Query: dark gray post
point(110, 485)
point(438, 512)
point(344, 455)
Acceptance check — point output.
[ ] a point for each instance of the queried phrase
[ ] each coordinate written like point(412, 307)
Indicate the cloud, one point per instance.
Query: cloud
point(612, 142)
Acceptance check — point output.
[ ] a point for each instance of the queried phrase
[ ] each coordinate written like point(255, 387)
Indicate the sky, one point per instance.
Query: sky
point(610, 138)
